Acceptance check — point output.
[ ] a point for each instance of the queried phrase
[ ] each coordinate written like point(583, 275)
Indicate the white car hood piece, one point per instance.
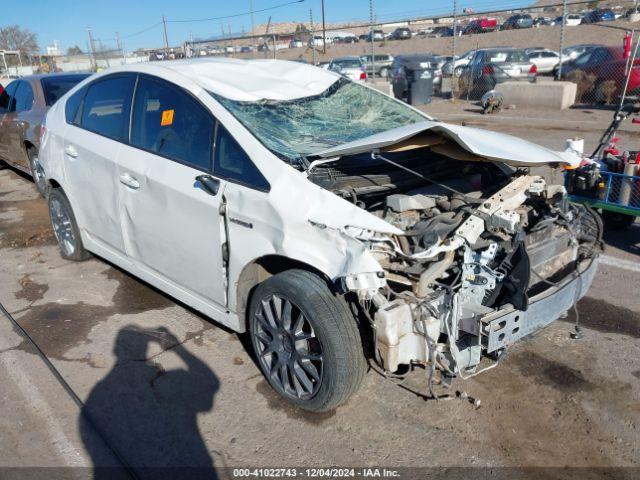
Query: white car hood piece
point(255, 80)
point(494, 146)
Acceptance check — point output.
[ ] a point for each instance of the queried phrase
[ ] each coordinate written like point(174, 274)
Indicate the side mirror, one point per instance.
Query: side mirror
point(208, 184)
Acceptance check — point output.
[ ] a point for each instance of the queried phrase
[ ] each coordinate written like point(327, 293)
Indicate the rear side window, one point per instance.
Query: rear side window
point(72, 107)
point(106, 106)
point(231, 162)
point(169, 121)
point(55, 87)
point(23, 97)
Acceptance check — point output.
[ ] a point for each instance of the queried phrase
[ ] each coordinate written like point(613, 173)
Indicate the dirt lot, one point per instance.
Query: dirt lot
point(193, 395)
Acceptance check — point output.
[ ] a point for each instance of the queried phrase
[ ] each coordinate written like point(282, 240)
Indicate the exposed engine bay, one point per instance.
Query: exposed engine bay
point(482, 243)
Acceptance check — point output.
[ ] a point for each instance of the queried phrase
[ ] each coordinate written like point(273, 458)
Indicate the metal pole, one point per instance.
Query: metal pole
point(273, 40)
point(166, 38)
point(564, 20)
point(92, 49)
point(324, 32)
point(371, 39)
point(455, 30)
point(313, 42)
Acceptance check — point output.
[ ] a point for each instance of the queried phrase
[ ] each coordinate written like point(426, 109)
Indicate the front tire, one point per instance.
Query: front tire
point(65, 227)
point(306, 341)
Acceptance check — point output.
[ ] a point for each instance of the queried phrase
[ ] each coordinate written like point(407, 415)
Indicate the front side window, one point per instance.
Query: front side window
point(106, 106)
point(170, 122)
point(345, 112)
point(72, 106)
point(6, 98)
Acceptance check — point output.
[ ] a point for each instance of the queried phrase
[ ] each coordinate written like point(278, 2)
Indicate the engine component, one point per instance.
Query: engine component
point(403, 203)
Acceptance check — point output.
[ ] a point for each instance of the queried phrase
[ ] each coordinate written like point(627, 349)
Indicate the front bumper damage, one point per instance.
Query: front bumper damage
point(475, 297)
point(399, 342)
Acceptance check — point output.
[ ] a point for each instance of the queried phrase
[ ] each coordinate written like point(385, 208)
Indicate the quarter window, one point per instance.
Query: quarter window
point(232, 162)
point(170, 122)
point(106, 106)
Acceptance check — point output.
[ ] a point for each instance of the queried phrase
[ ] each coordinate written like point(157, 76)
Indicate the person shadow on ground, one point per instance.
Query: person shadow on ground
point(147, 415)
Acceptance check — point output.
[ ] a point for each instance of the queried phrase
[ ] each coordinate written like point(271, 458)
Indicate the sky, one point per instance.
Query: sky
point(138, 22)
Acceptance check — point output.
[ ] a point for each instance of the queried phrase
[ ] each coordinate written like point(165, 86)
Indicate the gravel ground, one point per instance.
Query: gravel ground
point(196, 397)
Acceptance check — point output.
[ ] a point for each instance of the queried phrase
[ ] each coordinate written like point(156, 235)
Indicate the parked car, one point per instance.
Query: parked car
point(438, 32)
point(296, 44)
point(570, 20)
point(573, 52)
point(607, 66)
point(490, 66)
point(382, 64)
point(23, 106)
point(202, 181)
point(401, 33)
point(542, 21)
point(545, 60)
point(377, 35)
point(455, 67)
point(516, 22)
point(480, 25)
point(599, 15)
point(350, 67)
point(403, 69)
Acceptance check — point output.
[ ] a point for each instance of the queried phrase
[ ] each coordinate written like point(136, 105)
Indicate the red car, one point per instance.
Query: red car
point(480, 25)
point(607, 64)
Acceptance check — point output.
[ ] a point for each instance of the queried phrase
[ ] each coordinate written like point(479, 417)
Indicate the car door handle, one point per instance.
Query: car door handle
point(71, 151)
point(129, 181)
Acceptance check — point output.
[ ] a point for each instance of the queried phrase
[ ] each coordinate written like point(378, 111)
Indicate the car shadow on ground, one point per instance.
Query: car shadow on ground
point(148, 415)
point(626, 239)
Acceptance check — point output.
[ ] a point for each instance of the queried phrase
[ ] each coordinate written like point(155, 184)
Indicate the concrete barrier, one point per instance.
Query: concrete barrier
point(557, 95)
point(382, 85)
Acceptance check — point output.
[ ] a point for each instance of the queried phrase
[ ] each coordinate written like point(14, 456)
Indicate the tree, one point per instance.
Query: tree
point(13, 37)
point(75, 50)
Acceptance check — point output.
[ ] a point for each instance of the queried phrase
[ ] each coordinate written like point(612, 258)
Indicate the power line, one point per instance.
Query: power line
point(142, 31)
point(236, 14)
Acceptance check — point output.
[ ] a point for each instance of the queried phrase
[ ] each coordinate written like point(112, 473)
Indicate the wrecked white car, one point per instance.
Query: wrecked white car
point(328, 220)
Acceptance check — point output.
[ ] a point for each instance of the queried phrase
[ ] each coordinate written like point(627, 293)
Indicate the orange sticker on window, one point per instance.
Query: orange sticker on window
point(167, 118)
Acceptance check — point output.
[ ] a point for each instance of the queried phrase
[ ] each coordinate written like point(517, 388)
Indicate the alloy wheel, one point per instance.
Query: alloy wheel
point(62, 226)
point(287, 348)
point(38, 173)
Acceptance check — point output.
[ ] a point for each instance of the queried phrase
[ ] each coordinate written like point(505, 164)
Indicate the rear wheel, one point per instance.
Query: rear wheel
point(65, 227)
point(37, 172)
point(306, 341)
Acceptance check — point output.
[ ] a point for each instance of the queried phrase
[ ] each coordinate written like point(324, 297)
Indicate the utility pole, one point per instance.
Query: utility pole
point(251, 14)
point(166, 39)
point(92, 49)
point(124, 58)
point(564, 20)
point(324, 32)
point(455, 32)
point(231, 39)
point(312, 40)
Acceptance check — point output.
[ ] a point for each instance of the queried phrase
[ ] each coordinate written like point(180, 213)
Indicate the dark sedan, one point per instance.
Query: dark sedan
point(23, 106)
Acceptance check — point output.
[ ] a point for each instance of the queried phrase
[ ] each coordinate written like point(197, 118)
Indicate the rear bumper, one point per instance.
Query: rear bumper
point(507, 326)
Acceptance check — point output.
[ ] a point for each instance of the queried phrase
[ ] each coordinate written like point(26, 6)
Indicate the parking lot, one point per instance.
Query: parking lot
point(193, 392)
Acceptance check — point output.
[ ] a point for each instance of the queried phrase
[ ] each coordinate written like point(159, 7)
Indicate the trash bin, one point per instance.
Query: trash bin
point(421, 86)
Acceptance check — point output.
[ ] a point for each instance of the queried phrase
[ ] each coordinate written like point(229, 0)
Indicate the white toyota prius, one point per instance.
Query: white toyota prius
point(332, 222)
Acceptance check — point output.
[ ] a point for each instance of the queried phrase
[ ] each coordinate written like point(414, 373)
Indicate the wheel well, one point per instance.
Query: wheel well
point(261, 269)
point(54, 184)
point(28, 145)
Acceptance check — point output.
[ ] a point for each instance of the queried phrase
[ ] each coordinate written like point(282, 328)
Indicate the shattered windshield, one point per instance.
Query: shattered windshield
point(343, 113)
